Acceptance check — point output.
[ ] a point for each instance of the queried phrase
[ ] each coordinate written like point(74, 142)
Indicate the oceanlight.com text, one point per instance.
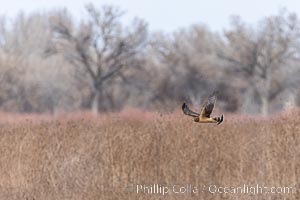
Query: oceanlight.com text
point(163, 189)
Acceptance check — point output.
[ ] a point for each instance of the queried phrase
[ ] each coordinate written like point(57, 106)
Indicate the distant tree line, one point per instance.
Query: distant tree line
point(49, 62)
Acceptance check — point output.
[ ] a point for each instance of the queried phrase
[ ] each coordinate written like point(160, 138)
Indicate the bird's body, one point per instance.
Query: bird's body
point(205, 120)
point(204, 116)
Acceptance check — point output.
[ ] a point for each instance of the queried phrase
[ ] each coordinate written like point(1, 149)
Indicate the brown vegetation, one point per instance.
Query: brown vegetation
point(58, 67)
point(84, 157)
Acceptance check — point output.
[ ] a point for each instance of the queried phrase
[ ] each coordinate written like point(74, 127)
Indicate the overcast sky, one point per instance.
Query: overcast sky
point(166, 15)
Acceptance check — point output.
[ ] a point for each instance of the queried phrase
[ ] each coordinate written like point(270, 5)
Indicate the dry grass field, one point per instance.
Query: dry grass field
point(82, 157)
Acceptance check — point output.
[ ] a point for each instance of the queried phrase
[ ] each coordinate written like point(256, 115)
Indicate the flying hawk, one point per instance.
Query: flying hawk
point(204, 116)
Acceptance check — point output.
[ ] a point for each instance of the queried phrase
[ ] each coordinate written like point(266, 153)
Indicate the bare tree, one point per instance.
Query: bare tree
point(101, 46)
point(189, 68)
point(262, 56)
point(101, 64)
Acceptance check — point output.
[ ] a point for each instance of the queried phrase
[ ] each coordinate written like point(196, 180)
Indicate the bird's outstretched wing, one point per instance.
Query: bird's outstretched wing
point(186, 110)
point(209, 105)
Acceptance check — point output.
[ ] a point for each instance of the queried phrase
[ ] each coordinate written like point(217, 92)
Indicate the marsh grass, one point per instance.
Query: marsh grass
point(82, 157)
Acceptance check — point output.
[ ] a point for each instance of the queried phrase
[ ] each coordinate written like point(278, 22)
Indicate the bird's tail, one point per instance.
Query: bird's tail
point(219, 119)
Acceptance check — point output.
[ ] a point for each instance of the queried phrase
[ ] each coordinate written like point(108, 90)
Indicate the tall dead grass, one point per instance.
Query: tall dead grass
point(83, 157)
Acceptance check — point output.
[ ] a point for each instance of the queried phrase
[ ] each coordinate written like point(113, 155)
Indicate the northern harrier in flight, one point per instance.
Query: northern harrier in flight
point(204, 116)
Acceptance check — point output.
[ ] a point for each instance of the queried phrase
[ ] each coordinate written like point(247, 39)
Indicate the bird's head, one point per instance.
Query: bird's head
point(196, 119)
